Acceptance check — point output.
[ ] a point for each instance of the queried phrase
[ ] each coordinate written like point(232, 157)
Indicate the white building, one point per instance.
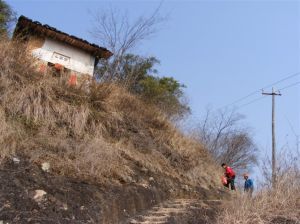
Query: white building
point(59, 49)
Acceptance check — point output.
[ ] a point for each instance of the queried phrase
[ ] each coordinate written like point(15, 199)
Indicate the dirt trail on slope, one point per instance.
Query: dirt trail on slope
point(178, 211)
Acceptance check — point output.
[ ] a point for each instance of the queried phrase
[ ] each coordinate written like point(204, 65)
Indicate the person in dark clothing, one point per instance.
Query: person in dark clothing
point(248, 186)
point(230, 175)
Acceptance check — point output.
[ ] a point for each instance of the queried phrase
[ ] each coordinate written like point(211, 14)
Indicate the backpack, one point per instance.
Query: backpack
point(224, 180)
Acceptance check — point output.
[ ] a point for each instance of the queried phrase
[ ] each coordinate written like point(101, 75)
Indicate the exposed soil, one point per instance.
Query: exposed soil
point(67, 200)
point(283, 220)
point(71, 201)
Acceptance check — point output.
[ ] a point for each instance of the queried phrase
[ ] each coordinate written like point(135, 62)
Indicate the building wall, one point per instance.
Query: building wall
point(70, 57)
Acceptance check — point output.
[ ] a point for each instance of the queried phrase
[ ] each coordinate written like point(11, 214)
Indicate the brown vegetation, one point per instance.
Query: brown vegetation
point(277, 205)
point(94, 132)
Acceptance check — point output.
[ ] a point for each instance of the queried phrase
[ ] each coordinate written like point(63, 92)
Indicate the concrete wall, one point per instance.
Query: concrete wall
point(72, 58)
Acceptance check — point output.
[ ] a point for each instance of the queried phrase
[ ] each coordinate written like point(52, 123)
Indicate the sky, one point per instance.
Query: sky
point(221, 50)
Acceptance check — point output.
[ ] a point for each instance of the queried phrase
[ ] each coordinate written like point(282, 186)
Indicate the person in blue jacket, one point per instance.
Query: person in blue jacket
point(248, 187)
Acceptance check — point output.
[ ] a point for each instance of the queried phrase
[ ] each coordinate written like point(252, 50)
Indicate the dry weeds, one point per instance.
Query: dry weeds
point(94, 131)
point(280, 205)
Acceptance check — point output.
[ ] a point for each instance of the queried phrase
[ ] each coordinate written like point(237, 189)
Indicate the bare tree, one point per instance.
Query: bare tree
point(227, 139)
point(117, 32)
point(121, 34)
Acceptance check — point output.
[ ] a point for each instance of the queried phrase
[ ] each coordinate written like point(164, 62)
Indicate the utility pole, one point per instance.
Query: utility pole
point(273, 94)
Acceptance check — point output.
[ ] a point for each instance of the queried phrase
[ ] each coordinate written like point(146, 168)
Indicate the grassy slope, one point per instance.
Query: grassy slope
point(97, 133)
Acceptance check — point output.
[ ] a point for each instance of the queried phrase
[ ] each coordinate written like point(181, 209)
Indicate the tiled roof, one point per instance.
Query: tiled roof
point(26, 26)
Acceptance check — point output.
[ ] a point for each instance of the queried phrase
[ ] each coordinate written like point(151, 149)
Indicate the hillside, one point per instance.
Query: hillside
point(96, 153)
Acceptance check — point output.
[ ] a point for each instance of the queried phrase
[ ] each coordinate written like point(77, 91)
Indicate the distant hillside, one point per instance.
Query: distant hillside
point(105, 151)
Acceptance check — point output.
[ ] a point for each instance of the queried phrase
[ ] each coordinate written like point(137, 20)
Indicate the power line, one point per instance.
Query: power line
point(291, 85)
point(288, 77)
point(259, 90)
point(262, 97)
point(291, 126)
point(294, 132)
point(252, 101)
point(242, 98)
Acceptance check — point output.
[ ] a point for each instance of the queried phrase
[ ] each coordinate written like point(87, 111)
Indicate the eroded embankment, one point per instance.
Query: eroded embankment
point(66, 200)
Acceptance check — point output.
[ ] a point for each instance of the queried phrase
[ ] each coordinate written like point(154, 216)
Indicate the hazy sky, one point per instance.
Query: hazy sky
point(221, 50)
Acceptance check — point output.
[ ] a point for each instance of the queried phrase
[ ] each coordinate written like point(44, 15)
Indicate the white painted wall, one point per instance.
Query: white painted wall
point(72, 58)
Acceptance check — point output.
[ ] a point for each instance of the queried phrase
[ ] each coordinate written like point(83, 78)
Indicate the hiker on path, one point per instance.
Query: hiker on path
point(230, 176)
point(248, 186)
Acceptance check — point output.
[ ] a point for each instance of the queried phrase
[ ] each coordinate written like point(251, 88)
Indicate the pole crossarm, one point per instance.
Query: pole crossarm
point(272, 94)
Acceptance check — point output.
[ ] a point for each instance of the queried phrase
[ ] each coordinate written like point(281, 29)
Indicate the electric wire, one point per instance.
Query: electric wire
point(291, 126)
point(260, 98)
point(291, 85)
point(259, 90)
point(252, 101)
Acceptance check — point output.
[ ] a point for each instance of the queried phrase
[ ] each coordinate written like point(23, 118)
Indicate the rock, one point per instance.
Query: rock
point(186, 187)
point(82, 208)
point(126, 213)
point(6, 205)
point(16, 161)
point(171, 190)
point(151, 179)
point(65, 206)
point(39, 195)
point(46, 166)
point(145, 170)
point(127, 179)
point(35, 211)
point(145, 185)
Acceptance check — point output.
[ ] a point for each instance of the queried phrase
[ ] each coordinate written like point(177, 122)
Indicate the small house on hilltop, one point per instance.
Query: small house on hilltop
point(60, 50)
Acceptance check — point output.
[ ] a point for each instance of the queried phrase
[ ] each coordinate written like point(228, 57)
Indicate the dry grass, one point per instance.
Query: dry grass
point(94, 131)
point(7, 137)
point(281, 205)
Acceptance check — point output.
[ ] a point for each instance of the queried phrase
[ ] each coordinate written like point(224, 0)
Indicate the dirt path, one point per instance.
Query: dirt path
point(178, 211)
